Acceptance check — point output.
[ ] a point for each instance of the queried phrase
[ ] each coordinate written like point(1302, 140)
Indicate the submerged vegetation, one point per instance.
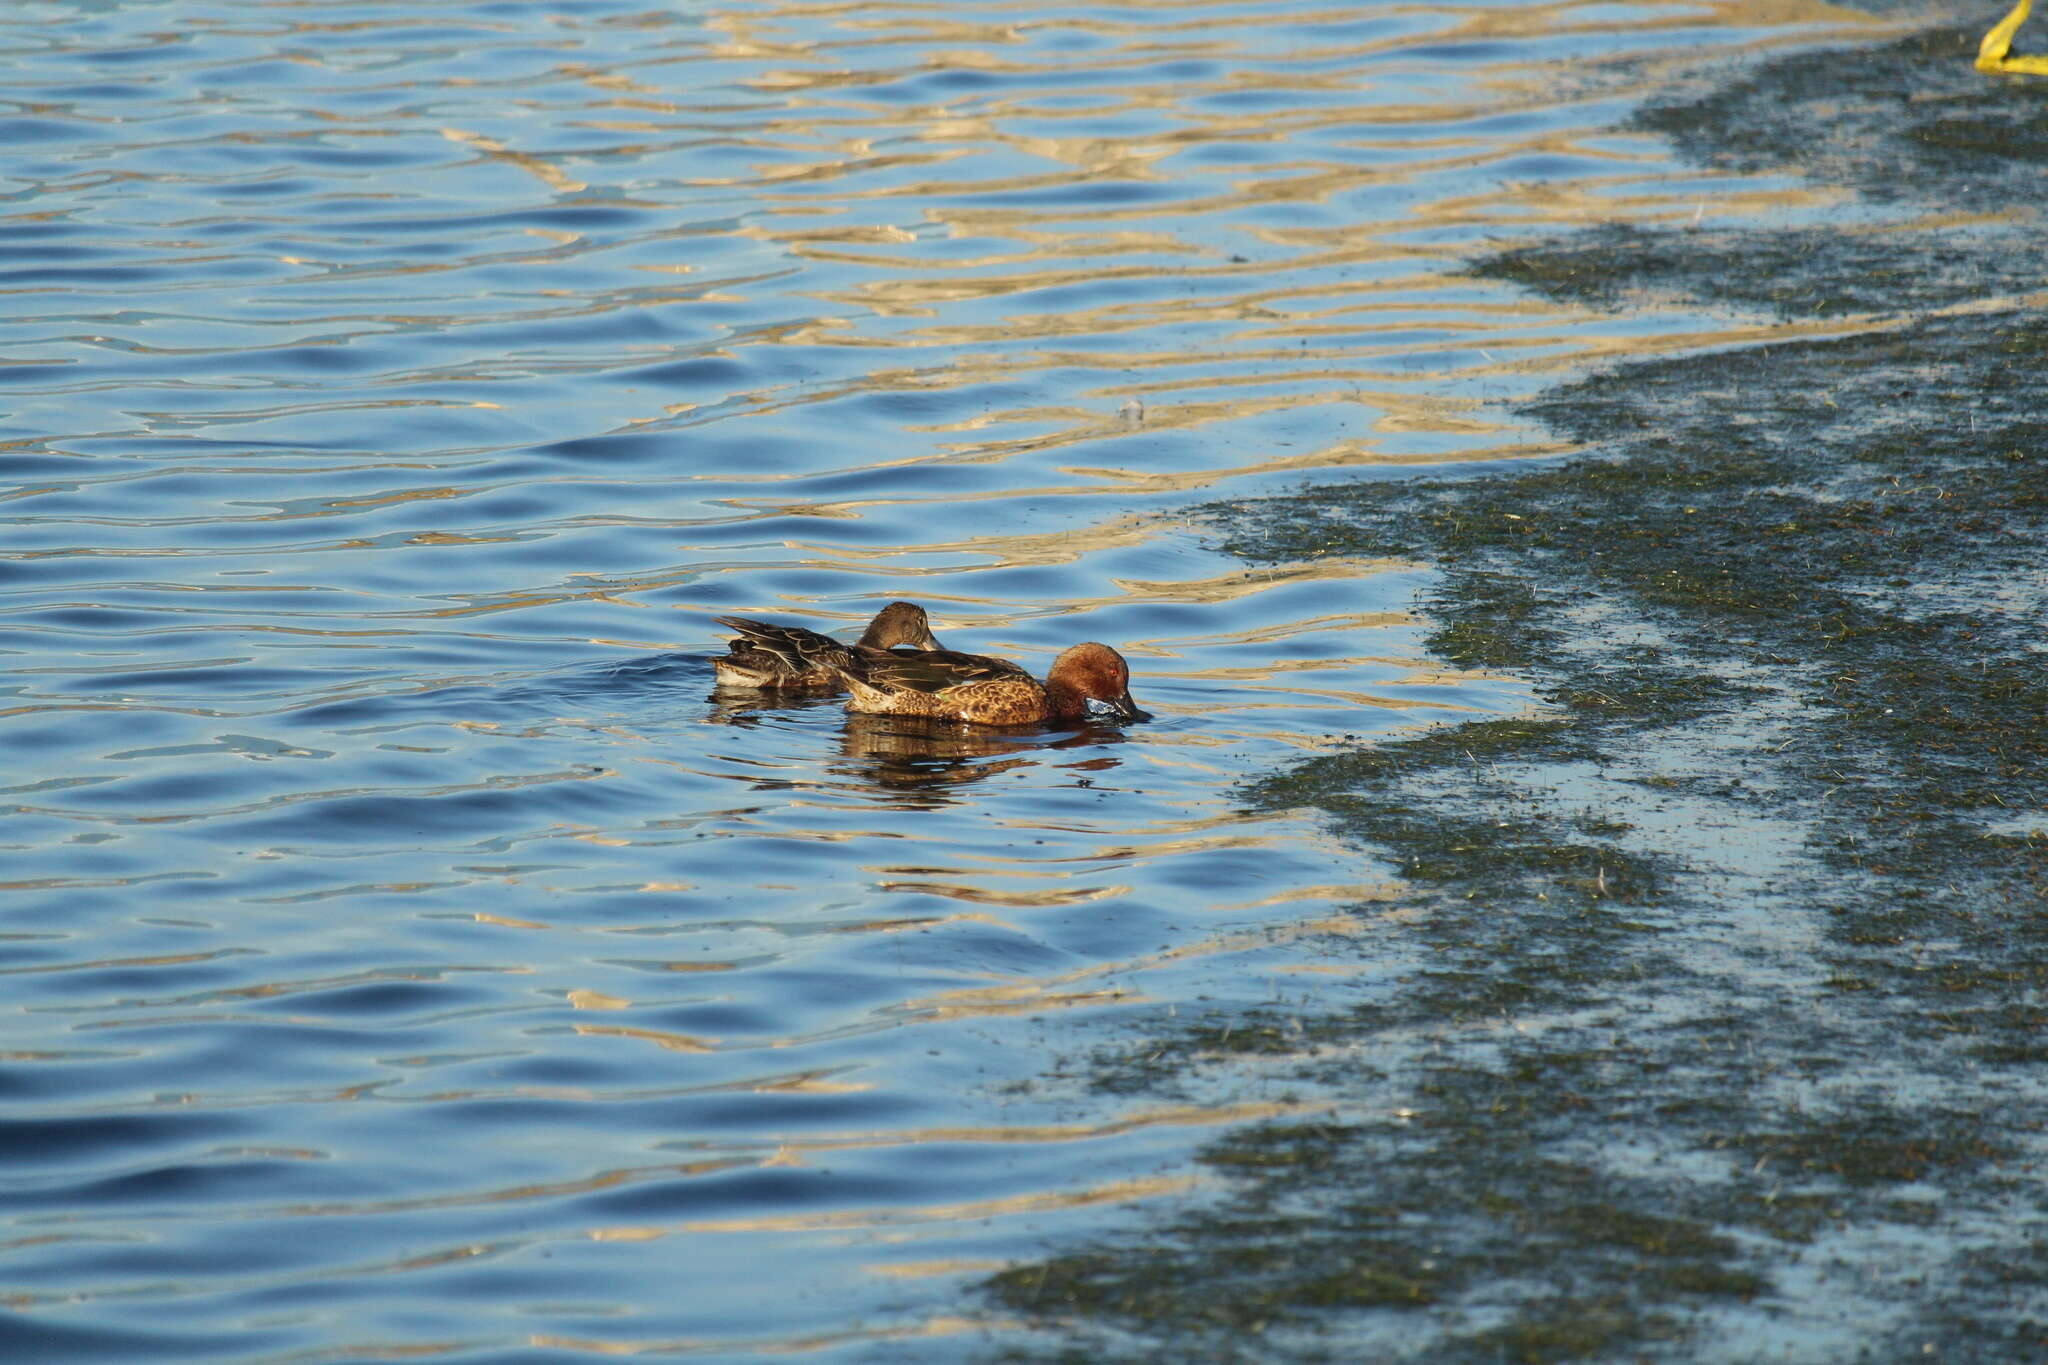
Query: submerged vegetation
point(1726, 1025)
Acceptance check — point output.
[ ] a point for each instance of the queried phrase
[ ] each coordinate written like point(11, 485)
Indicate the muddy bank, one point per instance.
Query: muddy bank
point(1724, 1034)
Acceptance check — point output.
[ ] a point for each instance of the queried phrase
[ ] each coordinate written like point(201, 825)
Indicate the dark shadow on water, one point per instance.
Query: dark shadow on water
point(746, 706)
point(920, 763)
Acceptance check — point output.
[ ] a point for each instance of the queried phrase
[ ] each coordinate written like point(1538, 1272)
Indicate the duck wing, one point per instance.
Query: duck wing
point(927, 670)
point(800, 649)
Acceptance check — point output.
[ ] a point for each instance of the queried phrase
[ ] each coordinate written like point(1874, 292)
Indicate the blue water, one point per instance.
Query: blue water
point(407, 952)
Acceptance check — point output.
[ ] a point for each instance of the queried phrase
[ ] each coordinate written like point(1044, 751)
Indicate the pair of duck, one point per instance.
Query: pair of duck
point(898, 669)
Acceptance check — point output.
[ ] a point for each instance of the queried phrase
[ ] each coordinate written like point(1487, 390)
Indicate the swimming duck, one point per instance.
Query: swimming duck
point(768, 655)
point(1088, 679)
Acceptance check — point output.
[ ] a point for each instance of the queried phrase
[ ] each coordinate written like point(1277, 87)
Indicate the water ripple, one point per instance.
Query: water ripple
point(394, 393)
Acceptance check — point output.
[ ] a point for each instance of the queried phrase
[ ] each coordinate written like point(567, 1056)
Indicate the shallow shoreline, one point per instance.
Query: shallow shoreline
point(1730, 1045)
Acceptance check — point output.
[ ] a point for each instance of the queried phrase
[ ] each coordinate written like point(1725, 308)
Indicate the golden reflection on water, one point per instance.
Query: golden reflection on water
point(1354, 893)
point(503, 921)
point(941, 1325)
point(673, 1042)
point(1020, 900)
point(1296, 314)
point(925, 1270)
point(1165, 1116)
point(918, 924)
point(1028, 995)
point(995, 1002)
point(844, 1220)
point(844, 142)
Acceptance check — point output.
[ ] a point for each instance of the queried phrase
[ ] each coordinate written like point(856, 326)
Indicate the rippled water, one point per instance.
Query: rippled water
point(407, 952)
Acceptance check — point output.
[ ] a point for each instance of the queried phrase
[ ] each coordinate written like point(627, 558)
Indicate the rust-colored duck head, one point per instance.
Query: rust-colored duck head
point(899, 623)
point(1092, 680)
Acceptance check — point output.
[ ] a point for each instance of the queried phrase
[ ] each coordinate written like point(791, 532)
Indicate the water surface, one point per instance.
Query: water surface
point(409, 953)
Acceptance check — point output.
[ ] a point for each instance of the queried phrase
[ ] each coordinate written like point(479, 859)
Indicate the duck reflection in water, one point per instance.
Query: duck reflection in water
point(920, 761)
point(749, 706)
